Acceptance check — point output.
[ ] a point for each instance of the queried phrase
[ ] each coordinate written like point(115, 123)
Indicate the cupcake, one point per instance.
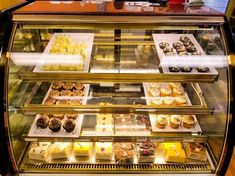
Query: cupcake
point(66, 93)
point(75, 102)
point(43, 121)
point(69, 125)
point(67, 86)
point(78, 86)
point(175, 121)
point(180, 101)
point(164, 91)
point(49, 101)
point(78, 92)
point(154, 92)
point(169, 101)
point(177, 45)
point(177, 92)
point(188, 121)
point(55, 125)
point(62, 102)
point(57, 85)
point(157, 102)
point(161, 121)
point(71, 116)
point(54, 93)
point(58, 116)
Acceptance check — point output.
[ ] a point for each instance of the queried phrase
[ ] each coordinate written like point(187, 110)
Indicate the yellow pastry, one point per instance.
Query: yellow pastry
point(82, 148)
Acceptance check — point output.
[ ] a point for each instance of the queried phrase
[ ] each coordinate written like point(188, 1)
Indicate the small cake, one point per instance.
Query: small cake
point(155, 85)
point(175, 121)
point(54, 93)
point(62, 102)
point(82, 149)
point(66, 93)
point(186, 69)
point(68, 86)
point(146, 152)
point(78, 93)
point(69, 125)
point(181, 49)
point(174, 69)
point(163, 45)
point(191, 49)
point(124, 153)
point(161, 121)
point(58, 116)
point(57, 85)
point(179, 101)
point(55, 124)
point(78, 86)
point(168, 101)
point(174, 152)
point(39, 151)
point(164, 91)
point(157, 101)
point(154, 92)
point(177, 92)
point(49, 101)
point(75, 102)
point(188, 121)
point(196, 151)
point(167, 50)
point(60, 150)
point(71, 116)
point(43, 122)
point(104, 151)
point(184, 39)
point(177, 45)
point(189, 44)
point(203, 69)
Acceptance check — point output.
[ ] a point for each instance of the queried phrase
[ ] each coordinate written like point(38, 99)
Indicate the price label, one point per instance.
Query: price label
point(31, 139)
point(141, 139)
point(188, 139)
point(157, 139)
point(106, 139)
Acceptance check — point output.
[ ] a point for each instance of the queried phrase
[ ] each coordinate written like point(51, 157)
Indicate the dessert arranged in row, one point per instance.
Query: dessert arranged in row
point(119, 153)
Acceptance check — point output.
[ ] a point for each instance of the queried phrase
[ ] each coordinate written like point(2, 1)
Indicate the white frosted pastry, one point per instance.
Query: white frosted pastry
point(104, 150)
point(60, 150)
point(40, 151)
point(82, 148)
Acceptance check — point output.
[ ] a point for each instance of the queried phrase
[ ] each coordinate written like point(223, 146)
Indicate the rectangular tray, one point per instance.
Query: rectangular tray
point(79, 38)
point(181, 129)
point(150, 97)
point(38, 132)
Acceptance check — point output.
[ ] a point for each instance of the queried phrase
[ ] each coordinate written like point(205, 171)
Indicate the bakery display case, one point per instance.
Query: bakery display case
point(90, 88)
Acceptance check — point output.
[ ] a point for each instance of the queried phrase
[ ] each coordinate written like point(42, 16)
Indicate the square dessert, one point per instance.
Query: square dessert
point(104, 122)
point(60, 150)
point(174, 152)
point(39, 151)
point(146, 152)
point(82, 148)
point(124, 153)
point(104, 151)
point(196, 151)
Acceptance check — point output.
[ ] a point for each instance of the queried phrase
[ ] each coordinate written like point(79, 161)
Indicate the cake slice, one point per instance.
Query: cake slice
point(104, 151)
point(82, 148)
point(39, 151)
point(196, 151)
point(60, 150)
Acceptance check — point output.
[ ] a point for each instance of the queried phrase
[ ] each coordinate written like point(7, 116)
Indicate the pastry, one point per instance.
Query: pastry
point(39, 151)
point(43, 121)
point(55, 124)
point(49, 101)
point(62, 102)
point(167, 50)
point(164, 91)
point(78, 86)
point(59, 116)
point(69, 125)
point(103, 151)
point(174, 152)
point(124, 153)
point(163, 45)
point(179, 101)
point(78, 93)
point(155, 85)
point(184, 39)
point(157, 101)
point(60, 150)
point(154, 92)
point(146, 152)
point(177, 45)
point(188, 121)
point(174, 69)
point(57, 85)
point(54, 93)
point(189, 44)
point(174, 85)
point(168, 101)
point(186, 69)
point(181, 49)
point(196, 151)
point(68, 86)
point(177, 92)
point(71, 116)
point(161, 121)
point(202, 69)
point(175, 121)
point(182, 53)
point(104, 122)
point(66, 93)
point(75, 102)
point(82, 149)
point(191, 49)
point(169, 53)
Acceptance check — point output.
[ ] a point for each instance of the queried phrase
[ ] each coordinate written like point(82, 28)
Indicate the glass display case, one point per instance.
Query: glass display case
point(119, 88)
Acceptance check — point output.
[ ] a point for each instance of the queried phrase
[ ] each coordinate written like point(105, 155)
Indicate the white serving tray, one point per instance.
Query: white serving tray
point(181, 129)
point(79, 38)
point(149, 97)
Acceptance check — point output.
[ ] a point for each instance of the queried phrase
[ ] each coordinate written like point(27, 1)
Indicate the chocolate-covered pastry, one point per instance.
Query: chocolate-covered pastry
point(186, 69)
point(57, 85)
point(191, 49)
point(167, 50)
point(203, 69)
point(69, 125)
point(189, 43)
point(181, 49)
point(43, 121)
point(174, 69)
point(184, 53)
point(177, 45)
point(184, 39)
point(163, 45)
point(55, 125)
